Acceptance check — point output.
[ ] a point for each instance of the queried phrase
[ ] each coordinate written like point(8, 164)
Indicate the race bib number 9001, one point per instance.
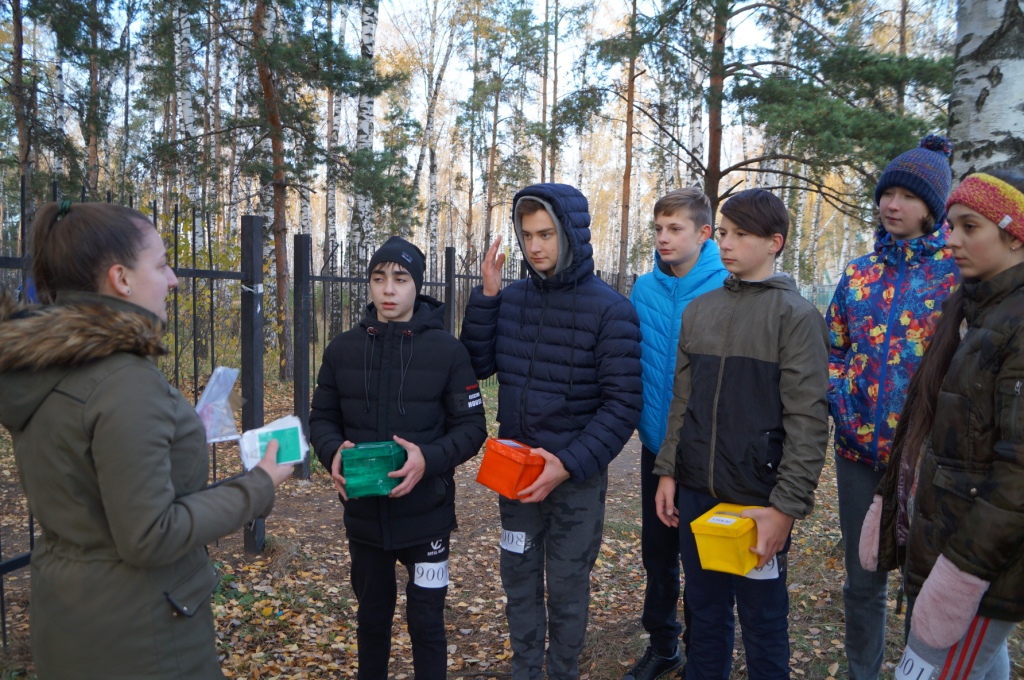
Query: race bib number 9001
point(913, 667)
point(431, 574)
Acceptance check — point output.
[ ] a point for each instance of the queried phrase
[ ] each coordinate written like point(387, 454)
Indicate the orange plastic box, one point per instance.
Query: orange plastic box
point(508, 467)
point(724, 539)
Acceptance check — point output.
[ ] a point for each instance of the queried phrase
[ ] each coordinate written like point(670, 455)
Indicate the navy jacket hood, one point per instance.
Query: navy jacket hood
point(572, 212)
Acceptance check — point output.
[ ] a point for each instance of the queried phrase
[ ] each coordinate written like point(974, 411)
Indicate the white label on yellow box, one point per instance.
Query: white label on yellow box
point(768, 571)
point(722, 520)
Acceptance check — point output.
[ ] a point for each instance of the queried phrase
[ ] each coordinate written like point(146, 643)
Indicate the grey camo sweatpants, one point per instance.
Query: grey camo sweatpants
point(560, 538)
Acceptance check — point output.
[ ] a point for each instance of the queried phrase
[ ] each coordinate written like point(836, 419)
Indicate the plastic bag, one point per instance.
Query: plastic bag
point(215, 406)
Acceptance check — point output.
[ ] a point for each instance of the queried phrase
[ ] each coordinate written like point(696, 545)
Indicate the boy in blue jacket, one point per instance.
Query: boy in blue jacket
point(686, 264)
point(566, 348)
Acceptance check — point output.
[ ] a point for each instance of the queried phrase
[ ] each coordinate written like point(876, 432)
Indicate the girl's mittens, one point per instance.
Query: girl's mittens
point(868, 547)
point(947, 604)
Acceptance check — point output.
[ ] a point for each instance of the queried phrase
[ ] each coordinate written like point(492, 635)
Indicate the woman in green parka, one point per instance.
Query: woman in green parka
point(113, 460)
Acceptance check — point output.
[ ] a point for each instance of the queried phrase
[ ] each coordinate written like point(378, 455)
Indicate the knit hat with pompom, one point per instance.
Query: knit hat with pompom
point(925, 171)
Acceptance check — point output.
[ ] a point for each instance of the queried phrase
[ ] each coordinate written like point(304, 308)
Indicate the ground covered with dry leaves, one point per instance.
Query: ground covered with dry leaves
point(290, 613)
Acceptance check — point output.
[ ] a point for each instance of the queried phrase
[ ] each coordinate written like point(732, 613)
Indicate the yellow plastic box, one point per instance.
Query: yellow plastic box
point(724, 539)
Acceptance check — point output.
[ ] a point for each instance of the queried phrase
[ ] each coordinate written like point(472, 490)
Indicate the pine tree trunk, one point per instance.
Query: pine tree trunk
point(280, 228)
point(544, 98)
point(716, 96)
point(492, 156)
point(627, 172)
point(985, 118)
point(553, 146)
point(92, 111)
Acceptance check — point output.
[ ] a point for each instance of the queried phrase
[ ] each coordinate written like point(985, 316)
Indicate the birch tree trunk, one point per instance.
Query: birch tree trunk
point(985, 118)
point(22, 106)
point(432, 213)
point(280, 228)
point(332, 298)
point(362, 209)
point(433, 74)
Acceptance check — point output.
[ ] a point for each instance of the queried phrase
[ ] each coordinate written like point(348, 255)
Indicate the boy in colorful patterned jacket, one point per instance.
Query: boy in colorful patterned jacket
point(880, 320)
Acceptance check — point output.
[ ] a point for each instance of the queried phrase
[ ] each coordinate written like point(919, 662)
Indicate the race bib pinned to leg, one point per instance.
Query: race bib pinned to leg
point(431, 574)
point(913, 667)
point(513, 541)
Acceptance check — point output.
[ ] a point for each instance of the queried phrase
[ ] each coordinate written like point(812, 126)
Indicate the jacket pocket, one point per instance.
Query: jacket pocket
point(1010, 409)
point(762, 461)
point(191, 592)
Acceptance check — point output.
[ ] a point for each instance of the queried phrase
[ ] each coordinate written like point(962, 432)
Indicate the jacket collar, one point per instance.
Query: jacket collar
point(708, 264)
point(427, 313)
point(892, 251)
point(79, 328)
point(981, 295)
point(778, 281)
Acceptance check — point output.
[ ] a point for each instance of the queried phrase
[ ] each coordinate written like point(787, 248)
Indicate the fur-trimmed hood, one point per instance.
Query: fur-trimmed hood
point(39, 344)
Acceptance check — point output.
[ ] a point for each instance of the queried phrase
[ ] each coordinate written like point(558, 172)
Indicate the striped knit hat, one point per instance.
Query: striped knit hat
point(925, 171)
point(993, 198)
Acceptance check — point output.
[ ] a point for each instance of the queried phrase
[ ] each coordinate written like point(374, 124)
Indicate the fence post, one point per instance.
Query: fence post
point(252, 350)
point(303, 251)
point(449, 289)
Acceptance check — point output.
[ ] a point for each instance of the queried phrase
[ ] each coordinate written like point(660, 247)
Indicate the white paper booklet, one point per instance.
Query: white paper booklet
point(287, 431)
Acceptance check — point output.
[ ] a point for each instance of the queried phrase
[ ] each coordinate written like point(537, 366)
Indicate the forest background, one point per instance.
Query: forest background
point(353, 121)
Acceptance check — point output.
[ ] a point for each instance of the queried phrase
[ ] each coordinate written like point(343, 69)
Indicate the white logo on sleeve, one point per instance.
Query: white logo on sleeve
point(431, 574)
point(513, 541)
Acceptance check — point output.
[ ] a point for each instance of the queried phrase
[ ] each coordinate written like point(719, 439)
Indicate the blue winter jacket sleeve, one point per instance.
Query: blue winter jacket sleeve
point(480, 331)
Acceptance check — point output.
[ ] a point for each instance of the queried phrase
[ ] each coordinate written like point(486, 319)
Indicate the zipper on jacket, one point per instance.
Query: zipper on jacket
point(1013, 412)
point(893, 306)
point(718, 389)
point(533, 358)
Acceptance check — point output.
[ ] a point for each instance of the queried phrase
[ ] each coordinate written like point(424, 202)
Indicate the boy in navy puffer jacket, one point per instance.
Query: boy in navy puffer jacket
point(566, 350)
point(399, 376)
point(686, 264)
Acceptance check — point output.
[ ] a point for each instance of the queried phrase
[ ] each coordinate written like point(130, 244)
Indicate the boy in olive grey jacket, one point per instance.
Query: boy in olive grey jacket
point(749, 425)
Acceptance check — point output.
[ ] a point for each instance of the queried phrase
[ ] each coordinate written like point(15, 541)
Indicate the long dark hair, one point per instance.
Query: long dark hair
point(918, 414)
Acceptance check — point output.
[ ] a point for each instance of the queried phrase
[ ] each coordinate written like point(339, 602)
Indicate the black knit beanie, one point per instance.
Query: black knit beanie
point(396, 249)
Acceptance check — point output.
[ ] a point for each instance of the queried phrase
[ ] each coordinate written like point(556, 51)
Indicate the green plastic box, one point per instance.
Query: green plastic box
point(366, 468)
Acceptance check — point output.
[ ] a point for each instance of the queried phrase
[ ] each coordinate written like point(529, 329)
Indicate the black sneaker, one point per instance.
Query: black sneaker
point(651, 666)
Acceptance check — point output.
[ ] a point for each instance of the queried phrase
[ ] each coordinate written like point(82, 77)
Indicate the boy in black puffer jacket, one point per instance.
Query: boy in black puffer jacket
point(399, 376)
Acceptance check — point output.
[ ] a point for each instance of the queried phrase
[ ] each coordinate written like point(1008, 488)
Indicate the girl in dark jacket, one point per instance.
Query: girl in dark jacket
point(952, 505)
point(113, 460)
point(399, 376)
